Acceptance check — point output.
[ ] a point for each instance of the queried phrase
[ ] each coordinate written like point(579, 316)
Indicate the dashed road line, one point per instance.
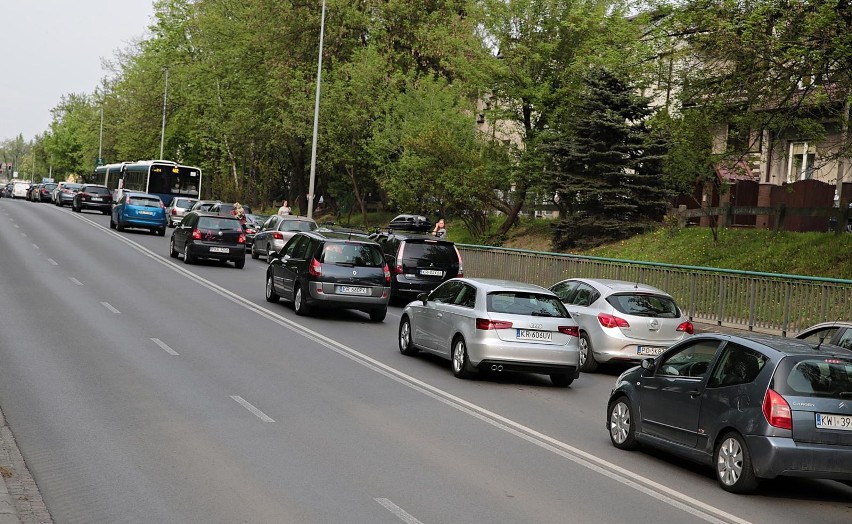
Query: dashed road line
point(110, 307)
point(399, 512)
point(165, 347)
point(72, 279)
point(258, 413)
point(53, 262)
point(35, 246)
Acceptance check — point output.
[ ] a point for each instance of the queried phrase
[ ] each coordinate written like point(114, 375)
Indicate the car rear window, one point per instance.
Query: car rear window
point(184, 204)
point(644, 305)
point(430, 251)
point(364, 255)
point(143, 201)
point(219, 224)
point(525, 303)
point(72, 187)
point(828, 376)
point(297, 225)
point(97, 190)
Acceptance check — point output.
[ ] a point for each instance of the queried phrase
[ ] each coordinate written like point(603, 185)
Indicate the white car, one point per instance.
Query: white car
point(20, 190)
point(497, 325)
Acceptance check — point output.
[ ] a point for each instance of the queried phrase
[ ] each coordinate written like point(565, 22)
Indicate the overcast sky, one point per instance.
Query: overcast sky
point(55, 47)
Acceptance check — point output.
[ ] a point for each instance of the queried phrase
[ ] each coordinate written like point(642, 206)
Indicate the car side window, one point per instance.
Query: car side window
point(563, 290)
point(290, 247)
point(301, 248)
point(466, 296)
point(846, 339)
point(445, 293)
point(584, 295)
point(825, 334)
point(737, 365)
point(691, 360)
point(270, 222)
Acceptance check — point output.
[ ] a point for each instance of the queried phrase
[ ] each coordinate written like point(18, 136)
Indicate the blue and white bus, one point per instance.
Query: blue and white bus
point(159, 177)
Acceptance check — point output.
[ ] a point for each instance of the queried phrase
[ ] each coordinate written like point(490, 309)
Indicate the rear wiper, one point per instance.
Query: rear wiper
point(344, 264)
point(541, 314)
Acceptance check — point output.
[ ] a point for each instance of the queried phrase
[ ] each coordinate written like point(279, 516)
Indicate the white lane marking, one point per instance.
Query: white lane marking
point(23, 234)
point(17, 226)
point(613, 471)
point(399, 512)
point(53, 262)
point(72, 279)
point(258, 413)
point(110, 307)
point(35, 246)
point(165, 347)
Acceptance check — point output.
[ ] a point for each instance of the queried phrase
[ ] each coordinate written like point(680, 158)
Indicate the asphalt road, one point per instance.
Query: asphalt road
point(140, 389)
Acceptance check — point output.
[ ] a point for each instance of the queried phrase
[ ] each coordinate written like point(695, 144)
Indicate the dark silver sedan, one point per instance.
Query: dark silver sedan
point(497, 325)
point(751, 407)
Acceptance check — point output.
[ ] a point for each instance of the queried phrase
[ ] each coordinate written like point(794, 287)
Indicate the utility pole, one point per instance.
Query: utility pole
point(101, 141)
point(163, 132)
point(316, 120)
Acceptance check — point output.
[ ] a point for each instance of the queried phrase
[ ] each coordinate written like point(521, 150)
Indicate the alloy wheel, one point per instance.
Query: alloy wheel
point(619, 423)
point(729, 463)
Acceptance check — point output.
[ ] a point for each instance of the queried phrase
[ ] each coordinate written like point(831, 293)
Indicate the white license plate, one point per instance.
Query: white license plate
point(649, 351)
point(97, 199)
point(219, 250)
point(432, 272)
point(825, 421)
point(146, 213)
point(528, 334)
point(352, 290)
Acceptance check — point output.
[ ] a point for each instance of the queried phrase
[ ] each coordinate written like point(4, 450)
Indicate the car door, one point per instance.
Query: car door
point(262, 238)
point(670, 393)
point(580, 304)
point(184, 230)
point(454, 314)
point(292, 260)
point(430, 321)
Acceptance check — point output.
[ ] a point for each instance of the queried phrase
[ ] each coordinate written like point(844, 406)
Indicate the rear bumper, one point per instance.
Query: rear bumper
point(608, 347)
point(322, 294)
point(144, 222)
point(203, 251)
point(775, 456)
point(100, 206)
point(549, 358)
point(410, 288)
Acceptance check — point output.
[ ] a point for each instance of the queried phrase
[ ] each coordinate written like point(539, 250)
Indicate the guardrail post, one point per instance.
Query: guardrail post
point(692, 280)
point(721, 314)
point(752, 302)
point(786, 308)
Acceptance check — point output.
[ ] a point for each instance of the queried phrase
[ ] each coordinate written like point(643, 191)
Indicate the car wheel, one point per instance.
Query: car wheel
point(187, 258)
point(268, 254)
point(734, 469)
point(106, 212)
point(161, 231)
point(172, 251)
point(111, 223)
point(461, 362)
point(254, 253)
point(75, 208)
point(239, 264)
point(622, 426)
point(119, 226)
point(561, 380)
point(588, 364)
point(378, 315)
point(271, 295)
point(299, 302)
point(406, 341)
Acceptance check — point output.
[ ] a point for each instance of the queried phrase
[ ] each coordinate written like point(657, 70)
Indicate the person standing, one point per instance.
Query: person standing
point(284, 209)
point(440, 229)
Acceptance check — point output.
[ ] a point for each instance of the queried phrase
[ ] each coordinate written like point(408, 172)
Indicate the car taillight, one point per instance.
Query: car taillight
point(611, 321)
point(387, 275)
point(316, 268)
point(461, 264)
point(686, 327)
point(250, 231)
point(572, 331)
point(398, 269)
point(196, 234)
point(174, 211)
point(777, 410)
point(484, 323)
point(277, 236)
point(241, 239)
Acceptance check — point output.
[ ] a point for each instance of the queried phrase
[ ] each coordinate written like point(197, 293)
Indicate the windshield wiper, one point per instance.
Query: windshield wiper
point(541, 314)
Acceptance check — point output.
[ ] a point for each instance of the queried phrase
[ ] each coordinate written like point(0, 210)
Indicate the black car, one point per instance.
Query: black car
point(411, 223)
point(223, 208)
point(203, 235)
point(752, 407)
point(419, 263)
point(330, 270)
point(92, 196)
point(44, 192)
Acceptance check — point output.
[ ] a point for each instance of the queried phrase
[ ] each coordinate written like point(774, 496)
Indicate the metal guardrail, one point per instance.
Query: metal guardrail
point(765, 302)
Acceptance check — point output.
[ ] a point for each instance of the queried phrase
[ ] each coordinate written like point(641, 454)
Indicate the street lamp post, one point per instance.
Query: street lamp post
point(316, 119)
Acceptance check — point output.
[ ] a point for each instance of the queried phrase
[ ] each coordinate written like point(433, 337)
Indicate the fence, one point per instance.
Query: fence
point(766, 302)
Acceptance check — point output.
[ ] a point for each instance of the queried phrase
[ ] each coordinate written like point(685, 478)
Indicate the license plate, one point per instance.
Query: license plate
point(649, 351)
point(146, 213)
point(97, 199)
point(825, 421)
point(432, 272)
point(219, 250)
point(528, 334)
point(352, 290)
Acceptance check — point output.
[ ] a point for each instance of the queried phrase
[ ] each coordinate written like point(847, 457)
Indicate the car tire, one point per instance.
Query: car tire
point(378, 315)
point(119, 226)
point(561, 380)
point(299, 303)
point(406, 338)
point(239, 264)
point(588, 364)
point(106, 212)
point(268, 254)
point(111, 223)
point(187, 257)
point(161, 231)
point(254, 253)
point(172, 251)
point(460, 360)
point(732, 464)
point(271, 295)
point(75, 208)
point(622, 423)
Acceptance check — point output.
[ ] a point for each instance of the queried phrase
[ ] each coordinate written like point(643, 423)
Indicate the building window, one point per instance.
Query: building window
point(800, 162)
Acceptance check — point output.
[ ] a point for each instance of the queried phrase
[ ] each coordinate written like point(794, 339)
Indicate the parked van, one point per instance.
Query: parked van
point(20, 190)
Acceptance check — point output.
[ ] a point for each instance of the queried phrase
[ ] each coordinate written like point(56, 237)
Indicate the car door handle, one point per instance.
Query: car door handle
point(440, 315)
point(694, 393)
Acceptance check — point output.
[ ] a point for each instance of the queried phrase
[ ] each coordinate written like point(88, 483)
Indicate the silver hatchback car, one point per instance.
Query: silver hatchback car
point(497, 325)
point(624, 321)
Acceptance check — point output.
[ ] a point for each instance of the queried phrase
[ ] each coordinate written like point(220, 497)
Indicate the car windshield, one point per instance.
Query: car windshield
point(525, 303)
point(143, 201)
point(219, 224)
point(430, 251)
point(828, 376)
point(95, 190)
point(644, 305)
point(297, 225)
point(352, 254)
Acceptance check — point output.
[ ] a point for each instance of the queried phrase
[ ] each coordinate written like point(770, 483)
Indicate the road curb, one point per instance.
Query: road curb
point(8, 512)
point(20, 500)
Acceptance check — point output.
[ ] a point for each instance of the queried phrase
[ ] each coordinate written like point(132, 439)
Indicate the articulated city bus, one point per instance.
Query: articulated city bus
point(159, 177)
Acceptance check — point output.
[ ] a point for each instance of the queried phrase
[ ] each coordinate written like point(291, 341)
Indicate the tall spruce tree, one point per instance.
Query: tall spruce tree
point(606, 166)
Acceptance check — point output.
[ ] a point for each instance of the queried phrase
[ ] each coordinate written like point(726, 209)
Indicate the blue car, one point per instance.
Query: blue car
point(139, 210)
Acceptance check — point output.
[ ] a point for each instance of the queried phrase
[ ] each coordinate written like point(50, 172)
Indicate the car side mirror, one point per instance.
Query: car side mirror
point(648, 367)
point(423, 297)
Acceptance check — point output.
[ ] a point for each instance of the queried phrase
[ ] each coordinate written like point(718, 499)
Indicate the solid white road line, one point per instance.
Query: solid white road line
point(399, 512)
point(23, 234)
point(164, 347)
point(258, 413)
point(72, 279)
point(35, 246)
point(110, 307)
point(53, 262)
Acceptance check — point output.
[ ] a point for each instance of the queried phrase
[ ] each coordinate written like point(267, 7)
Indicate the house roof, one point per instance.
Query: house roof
point(740, 170)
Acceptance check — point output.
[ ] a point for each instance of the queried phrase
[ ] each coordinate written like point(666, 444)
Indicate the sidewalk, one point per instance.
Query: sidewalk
point(20, 501)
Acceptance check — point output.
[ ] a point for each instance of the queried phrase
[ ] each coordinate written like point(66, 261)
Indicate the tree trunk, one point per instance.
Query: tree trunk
point(512, 216)
point(351, 173)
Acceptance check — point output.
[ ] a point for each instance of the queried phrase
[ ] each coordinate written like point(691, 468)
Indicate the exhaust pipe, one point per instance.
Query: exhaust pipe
point(495, 367)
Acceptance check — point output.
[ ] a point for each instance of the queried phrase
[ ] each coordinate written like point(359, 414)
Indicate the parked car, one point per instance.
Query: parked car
point(276, 231)
point(203, 205)
point(497, 325)
point(202, 235)
point(752, 407)
point(139, 210)
point(44, 192)
point(621, 321)
point(419, 263)
point(92, 196)
point(411, 223)
point(7, 190)
point(65, 195)
point(57, 188)
point(177, 208)
point(835, 333)
point(20, 190)
point(330, 271)
point(224, 208)
point(32, 193)
point(252, 226)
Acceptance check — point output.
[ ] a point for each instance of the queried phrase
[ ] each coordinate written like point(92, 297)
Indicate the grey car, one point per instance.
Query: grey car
point(497, 325)
point(276, 231)
point(836, 333)
point(752, 407)
point(621, 321)
point(177, 208)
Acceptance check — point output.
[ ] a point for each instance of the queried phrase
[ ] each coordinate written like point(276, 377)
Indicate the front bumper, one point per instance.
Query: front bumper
point(776, 456)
